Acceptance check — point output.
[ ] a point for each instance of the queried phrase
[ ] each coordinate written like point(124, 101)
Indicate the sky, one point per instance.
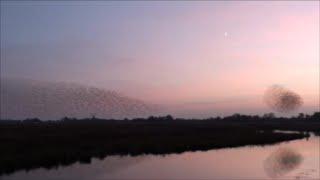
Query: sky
point(200, 57)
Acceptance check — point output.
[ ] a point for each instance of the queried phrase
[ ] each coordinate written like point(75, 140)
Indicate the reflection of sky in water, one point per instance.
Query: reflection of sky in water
point(243, 162)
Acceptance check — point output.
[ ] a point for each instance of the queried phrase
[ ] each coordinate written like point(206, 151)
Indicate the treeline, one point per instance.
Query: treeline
point(268, 116)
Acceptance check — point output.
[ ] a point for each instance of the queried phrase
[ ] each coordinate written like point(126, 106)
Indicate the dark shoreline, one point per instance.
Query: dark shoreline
point(30, 144)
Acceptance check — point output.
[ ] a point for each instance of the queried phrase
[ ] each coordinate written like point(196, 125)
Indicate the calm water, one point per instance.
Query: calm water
point(247, 162)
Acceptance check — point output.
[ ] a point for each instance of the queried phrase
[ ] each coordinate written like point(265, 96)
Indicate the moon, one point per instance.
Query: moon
point(225, 34)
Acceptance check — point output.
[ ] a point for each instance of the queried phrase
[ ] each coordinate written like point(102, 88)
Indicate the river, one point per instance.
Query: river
point(247, 162)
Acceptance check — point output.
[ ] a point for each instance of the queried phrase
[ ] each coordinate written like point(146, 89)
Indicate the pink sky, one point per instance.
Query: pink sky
point(169, 52)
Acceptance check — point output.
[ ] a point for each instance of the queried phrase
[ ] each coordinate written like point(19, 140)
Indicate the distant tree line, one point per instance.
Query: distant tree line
point(236, 116)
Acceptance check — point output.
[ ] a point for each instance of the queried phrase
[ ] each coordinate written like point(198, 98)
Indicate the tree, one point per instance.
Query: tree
point(316, 115)
point(301, 116)
point(269, 116)
point(169, 117)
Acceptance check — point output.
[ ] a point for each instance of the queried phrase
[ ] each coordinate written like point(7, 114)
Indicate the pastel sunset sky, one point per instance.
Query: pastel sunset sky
point(203, 57)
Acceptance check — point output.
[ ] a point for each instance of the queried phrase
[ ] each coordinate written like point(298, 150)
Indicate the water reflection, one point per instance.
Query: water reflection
point(231, 163)
point(282, 161)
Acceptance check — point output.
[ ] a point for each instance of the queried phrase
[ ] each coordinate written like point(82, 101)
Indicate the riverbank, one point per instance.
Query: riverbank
point(32, 144)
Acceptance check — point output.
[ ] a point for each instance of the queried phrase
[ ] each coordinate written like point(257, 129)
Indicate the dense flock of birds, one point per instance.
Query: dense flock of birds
point(281, 99)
